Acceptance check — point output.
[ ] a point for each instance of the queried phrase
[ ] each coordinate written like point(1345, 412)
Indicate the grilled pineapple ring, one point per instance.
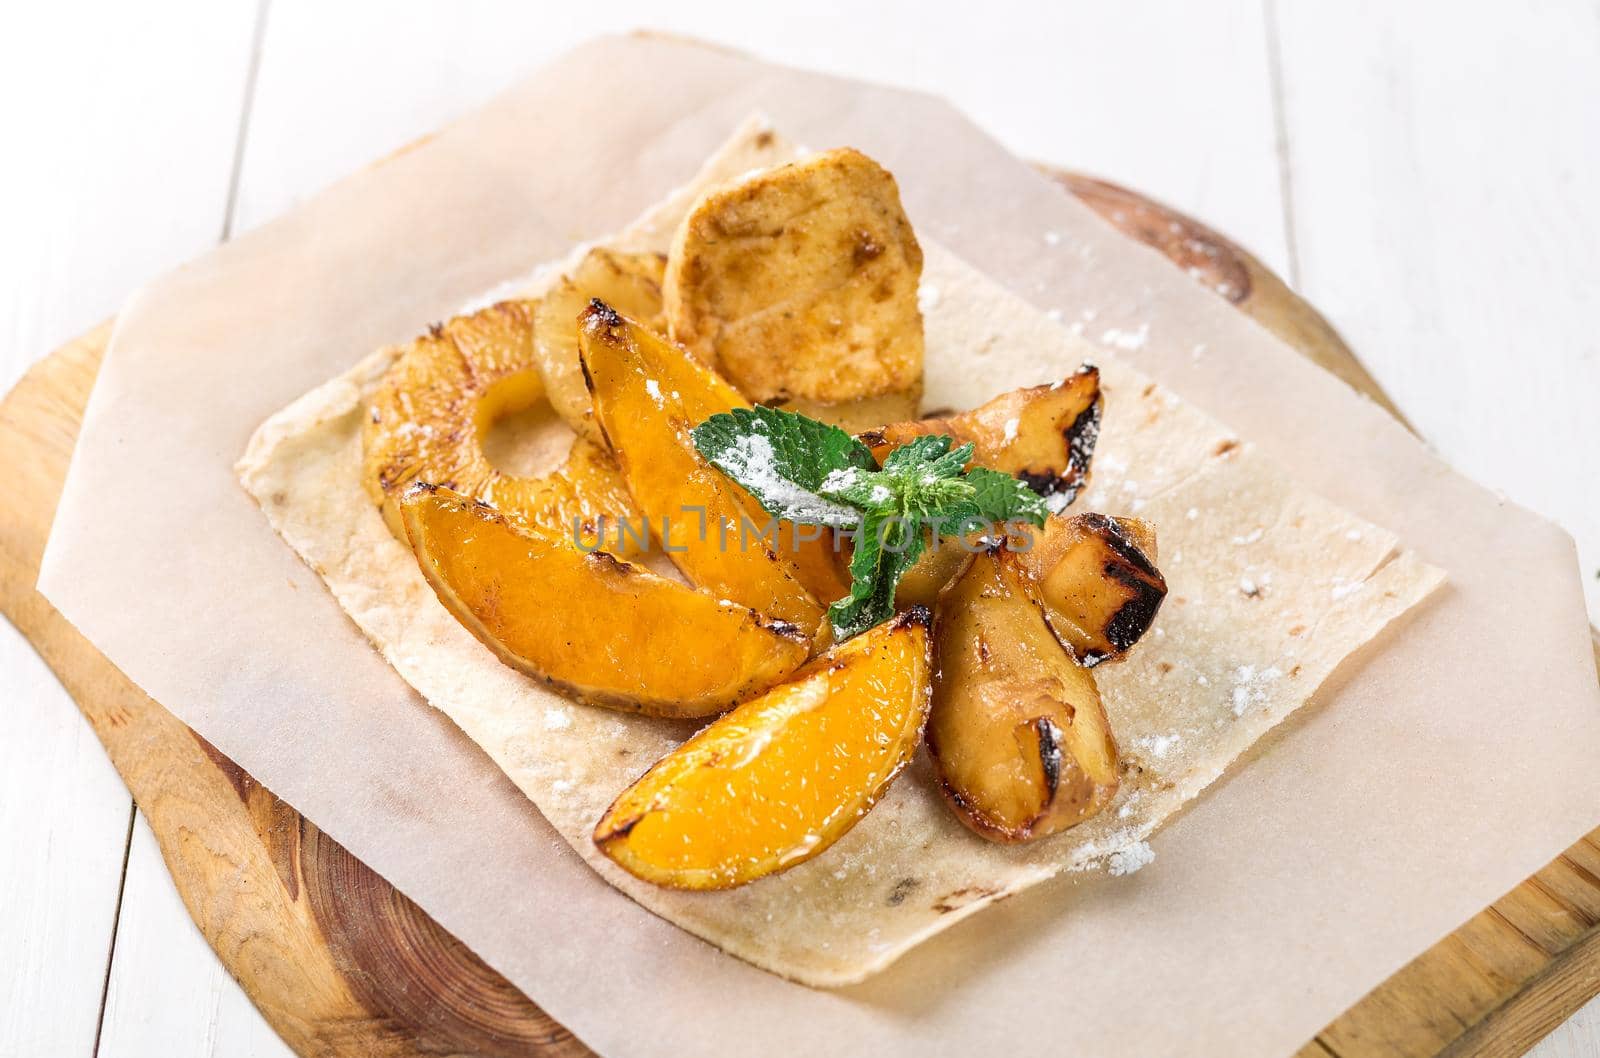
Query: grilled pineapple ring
point(629, 283)
point(428, 418)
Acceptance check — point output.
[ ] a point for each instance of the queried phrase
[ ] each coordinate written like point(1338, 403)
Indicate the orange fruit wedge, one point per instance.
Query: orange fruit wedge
point(784, 776)
point(603, 630)
point(648, 395)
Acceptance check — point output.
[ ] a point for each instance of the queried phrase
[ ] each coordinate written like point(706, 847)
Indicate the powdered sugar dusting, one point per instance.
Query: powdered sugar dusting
point(1118, 338)
point(1158, 745)
point(1133, 858)
point(1250, 686)
point(753, 463)
point(839, 479)
point(1343, 588)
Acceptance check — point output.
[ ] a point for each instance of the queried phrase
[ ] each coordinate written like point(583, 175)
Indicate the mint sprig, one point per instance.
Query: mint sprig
point(783, 460)
point(812, 473)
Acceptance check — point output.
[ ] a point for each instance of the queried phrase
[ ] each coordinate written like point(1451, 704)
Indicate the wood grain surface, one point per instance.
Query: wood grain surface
point(341, 964)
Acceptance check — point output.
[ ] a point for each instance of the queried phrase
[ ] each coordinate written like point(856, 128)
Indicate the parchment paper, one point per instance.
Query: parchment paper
point(1271, 588)
point(1445, 766)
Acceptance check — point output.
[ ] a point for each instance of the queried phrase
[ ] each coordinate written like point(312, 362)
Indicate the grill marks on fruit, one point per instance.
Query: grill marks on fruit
point(603, 314)
point(1081, 438)
point(1134, 618)
point(1122, 544)
point(1049, 752)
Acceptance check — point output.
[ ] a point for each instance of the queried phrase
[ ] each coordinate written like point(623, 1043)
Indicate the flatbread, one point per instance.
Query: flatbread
point(1271, 588)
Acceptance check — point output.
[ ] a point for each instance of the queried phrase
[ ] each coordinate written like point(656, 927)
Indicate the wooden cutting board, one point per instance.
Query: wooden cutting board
point(343, 965)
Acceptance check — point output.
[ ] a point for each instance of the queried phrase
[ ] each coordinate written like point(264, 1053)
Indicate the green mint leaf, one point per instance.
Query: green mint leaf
point(810, 472)
point(1000, 497)
point(917, 453)
point(782, 459)
point(805, 450)
point(885, 548)
point(952, 463)
point(868, 490)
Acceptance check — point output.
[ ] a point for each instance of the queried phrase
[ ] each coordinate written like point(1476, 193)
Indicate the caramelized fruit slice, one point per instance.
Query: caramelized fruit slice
point(1044, 435)
point(799, 284)
point(1100, 589)
point(629, 282)
point(431, 411)
point(583, 499)
point(1018, 736)
point(934, 568)
point(605, 631)
point(699, 393)
point(782, 777)
point(648, 394)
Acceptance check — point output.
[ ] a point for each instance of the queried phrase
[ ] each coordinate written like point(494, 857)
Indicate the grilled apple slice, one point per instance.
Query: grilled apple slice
point(631, 283)
point(1018, 736)
point(1095, 575)
point(431, 411)
point(800, 285)
point(934, 568)
point(782, 777)
point(604, 631)
point(648, 394)
point(1044, 435)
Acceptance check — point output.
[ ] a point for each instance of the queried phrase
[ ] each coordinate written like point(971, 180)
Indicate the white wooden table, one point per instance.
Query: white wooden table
point(1428, 174)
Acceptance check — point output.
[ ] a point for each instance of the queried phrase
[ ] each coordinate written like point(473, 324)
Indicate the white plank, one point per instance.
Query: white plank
point(166, 993)
point(124, 173)
point(1578, 1037)
point(64, 823)
point(1169, 97)
point(180, 1002)
point(1443, 159)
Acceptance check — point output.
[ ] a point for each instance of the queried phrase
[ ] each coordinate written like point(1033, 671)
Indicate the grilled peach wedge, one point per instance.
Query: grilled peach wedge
point(782, 777)
point(1098, 582)
point(643, 644)
point(799, 284)
point(431, 411)
point(629, 282)
point(1019, 738)
point(1044, 435)
point(648, 395)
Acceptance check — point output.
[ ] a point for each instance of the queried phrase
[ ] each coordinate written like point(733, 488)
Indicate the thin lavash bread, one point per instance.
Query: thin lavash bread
point(1271, 587)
